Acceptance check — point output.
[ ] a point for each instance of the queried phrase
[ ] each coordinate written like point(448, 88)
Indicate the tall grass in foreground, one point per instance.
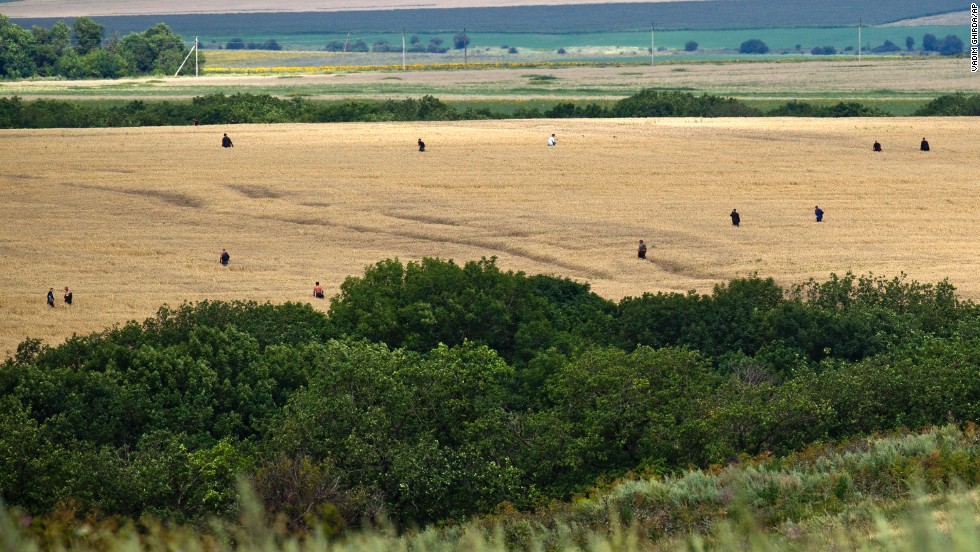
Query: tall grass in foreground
point(938, 524)
point(896, 493)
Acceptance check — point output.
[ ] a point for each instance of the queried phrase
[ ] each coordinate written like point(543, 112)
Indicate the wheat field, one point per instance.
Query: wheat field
point(131, 219)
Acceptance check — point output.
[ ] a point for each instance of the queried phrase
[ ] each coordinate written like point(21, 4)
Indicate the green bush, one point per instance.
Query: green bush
point(952, 105)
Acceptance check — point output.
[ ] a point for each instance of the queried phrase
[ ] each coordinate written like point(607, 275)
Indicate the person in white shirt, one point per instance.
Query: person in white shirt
point(552, 141)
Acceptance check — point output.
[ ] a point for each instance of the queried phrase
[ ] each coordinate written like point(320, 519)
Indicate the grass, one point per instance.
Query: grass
point(785, 38)
point(896, 493)
point(883, 79)
point(134, 218)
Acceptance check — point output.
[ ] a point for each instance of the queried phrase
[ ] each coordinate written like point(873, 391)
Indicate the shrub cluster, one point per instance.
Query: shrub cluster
point(81, 52)
point(434, 391)
point(263, 108)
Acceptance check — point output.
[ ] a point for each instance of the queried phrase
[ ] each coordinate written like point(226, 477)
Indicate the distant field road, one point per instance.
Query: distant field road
point(63, 8)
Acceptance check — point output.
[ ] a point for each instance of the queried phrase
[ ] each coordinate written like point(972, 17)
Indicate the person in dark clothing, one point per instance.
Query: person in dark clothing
point(877, 146)
point(51, 298)
point(641, 252)
point(68, 296)
point(421, 145)
point(224, 258)
point(818, 212)
point(196, 121)
point(226, 142)
point(736, 219)
point(924, 146)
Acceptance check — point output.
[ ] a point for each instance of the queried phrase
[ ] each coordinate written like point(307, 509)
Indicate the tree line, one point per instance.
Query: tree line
point(433, 391)
point(81, 51)
point(221, 109)
point(950, 45)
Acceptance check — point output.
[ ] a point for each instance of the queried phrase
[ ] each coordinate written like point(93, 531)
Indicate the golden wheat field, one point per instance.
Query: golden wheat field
point(130, 219)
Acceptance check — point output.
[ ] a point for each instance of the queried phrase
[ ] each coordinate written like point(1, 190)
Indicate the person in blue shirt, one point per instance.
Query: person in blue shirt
point(819, 213)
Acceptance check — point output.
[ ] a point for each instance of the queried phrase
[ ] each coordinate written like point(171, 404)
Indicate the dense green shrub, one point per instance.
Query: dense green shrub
point(436, 391)
point(952, 105)
point(795, 108)
point(753, 46)
point(52, 52)
point(655, 103)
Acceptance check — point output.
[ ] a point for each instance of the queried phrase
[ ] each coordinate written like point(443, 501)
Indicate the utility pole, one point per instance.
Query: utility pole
point(652, 46)
point(403, 48)
point(196, 73)
point(859, 39)
point(465, 45)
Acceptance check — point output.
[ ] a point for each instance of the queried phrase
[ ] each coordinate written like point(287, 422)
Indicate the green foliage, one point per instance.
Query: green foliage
point(435, 391)
point(263, 108)
point(795, 108)
point(655, 103)
point(78, 52)
point(423, 304)
point(753, 46)
point(16, 50)
point(953, 105)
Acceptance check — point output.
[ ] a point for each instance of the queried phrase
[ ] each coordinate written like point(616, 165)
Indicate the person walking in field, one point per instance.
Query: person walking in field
point(226, 142)
point(552, 141)
point(924, 145)
point(736, 219)
point(877, 146)
point(317, 291)
point(818, 212)
point(224, 258)
point(51, 298)
point(68, 296)
point(641, 251)
point(421, 145)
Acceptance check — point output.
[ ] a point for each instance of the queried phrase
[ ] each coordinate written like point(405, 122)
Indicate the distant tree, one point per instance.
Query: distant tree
point(235, 44)
point(930, 43)
point(690, 46)
point(799, 47)
point(88, 35)
point(414, 40)
point(271, 44)
point(560, 51)
point(15, 50)
point(50, 45)
point(435, 46)
point(512, 50)
point(155, 50)
point(334, 46)
point(460, 41)
point(381, 46)
point(358, 46)
point(753, 46)
point(849, 49)
point(909, 43)
point(951, 46)
point(887, 47)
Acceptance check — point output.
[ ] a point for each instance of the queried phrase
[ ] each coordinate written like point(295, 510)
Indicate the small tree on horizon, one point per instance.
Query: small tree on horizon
point(753, 46)
point(690, 46)
point(909, 43)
